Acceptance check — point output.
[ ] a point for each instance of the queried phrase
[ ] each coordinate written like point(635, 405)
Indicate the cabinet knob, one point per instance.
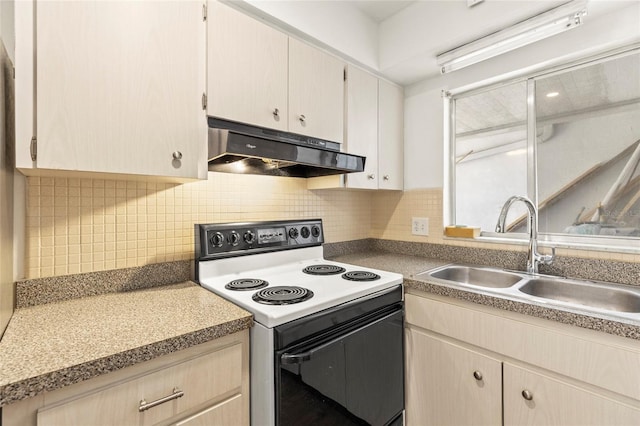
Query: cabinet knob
point(528, 395)
point(177, 155)
point(385, 177)
point(477, 375)
point(276, 113)
point(371, 176)
point(302, 118)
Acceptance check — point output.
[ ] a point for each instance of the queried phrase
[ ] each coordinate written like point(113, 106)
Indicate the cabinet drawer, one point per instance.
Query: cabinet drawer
point(225, 413)
point(205, 378)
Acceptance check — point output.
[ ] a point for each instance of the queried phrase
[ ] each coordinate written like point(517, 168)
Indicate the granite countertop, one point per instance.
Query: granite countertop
point(410, 266)
point(46, 347)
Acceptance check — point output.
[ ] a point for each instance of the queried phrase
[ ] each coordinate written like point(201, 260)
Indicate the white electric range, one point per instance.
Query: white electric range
point(302, 302)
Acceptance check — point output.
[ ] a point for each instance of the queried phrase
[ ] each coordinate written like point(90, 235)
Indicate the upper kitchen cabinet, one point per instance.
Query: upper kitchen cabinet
point(361, 129)
point(258, 75)
point(390, 136)
point(248, 69)
point(120, 88)
point(316, 92)
point(374, 128)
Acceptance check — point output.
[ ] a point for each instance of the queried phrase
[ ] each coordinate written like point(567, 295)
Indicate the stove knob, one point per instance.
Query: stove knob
point(293, 233)
point(234, 238)
point(305, 232)
point(249, 237)
point(217, 239)
point(315, 231)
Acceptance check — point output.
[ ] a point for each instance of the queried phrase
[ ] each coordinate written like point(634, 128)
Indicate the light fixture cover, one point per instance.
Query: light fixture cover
point(546, 24)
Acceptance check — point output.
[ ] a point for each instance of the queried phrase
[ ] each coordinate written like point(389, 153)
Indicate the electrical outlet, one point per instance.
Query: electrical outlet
point(420, 226)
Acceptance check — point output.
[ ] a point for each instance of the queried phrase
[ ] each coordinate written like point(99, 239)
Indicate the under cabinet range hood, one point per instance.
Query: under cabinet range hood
point(240, 148)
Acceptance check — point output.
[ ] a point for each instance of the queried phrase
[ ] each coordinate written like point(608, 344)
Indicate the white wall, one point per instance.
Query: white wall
point(7, 28)
point(577, 146)
point(484, 184)
point(343, 29)
point(424, 106)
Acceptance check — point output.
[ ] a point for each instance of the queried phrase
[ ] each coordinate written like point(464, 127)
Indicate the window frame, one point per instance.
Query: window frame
point(530, 76)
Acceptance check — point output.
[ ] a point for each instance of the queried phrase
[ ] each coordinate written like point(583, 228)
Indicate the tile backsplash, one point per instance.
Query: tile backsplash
point(86, 225)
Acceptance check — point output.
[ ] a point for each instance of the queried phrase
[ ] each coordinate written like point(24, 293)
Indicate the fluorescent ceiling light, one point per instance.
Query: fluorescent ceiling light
point(547, 24)
point(552, 94)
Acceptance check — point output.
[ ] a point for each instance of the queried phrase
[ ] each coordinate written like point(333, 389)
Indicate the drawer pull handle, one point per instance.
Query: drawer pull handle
point(526, 394)
point(477, 375)
point(144, 405)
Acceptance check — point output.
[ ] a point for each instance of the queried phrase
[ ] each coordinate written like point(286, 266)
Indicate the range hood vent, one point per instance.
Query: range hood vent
point(241, 148)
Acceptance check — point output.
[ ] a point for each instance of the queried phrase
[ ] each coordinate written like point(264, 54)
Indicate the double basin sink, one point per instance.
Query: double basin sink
point(611, 299)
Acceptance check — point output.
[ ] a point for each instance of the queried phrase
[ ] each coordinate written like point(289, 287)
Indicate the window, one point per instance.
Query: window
point(568, 139)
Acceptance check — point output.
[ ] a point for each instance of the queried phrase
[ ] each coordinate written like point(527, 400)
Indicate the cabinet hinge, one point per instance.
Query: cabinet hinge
point(204, 101)
point(34, 148)
point(204, 12)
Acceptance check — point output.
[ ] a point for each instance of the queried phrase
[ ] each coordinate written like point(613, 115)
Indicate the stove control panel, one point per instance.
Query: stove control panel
point(219, 240)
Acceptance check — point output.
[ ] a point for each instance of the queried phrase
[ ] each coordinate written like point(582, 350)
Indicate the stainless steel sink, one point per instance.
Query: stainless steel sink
point(480, 277)
point(613, 300)
point(600, 296)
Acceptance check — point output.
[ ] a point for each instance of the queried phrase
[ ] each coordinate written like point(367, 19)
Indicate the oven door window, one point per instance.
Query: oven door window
point(353, 377)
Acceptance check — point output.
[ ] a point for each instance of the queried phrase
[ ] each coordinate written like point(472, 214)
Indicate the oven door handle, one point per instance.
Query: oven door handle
point(295, 358)
point(299, 358)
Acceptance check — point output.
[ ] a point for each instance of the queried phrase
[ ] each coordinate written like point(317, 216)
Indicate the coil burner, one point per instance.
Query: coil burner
point(323, 270)
point(360, 276)
point(244, 284)
point(283, 295)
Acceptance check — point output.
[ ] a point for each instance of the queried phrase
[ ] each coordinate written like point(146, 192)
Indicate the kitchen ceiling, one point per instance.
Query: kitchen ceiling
point(412, 33)
point(380, 10)
point(401, 39)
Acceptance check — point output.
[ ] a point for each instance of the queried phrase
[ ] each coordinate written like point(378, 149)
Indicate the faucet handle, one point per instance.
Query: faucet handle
point(548, 259)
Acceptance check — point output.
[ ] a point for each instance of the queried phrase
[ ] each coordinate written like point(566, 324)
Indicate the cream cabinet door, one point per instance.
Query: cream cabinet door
point(316, 92)
point(362, 126)
point(553, 402)
point(120, 87)
point(390, 136)
point(247, 69)
point(450, 385)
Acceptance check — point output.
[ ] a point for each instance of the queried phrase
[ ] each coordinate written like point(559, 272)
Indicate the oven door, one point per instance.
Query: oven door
point(351, 376)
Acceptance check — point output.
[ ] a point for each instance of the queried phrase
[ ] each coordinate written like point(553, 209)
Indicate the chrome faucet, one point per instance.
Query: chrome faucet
point(534, 257)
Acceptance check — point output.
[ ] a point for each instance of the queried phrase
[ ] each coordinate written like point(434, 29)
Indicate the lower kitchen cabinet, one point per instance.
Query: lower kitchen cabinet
point(534, 399)
point(203, 385)
point(469, 364)
point(449, 385)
